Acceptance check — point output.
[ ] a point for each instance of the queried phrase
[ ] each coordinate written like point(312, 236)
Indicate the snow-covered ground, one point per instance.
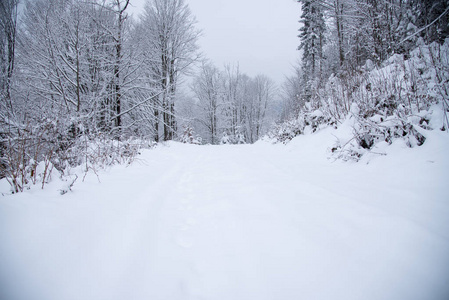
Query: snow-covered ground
point(246, 222)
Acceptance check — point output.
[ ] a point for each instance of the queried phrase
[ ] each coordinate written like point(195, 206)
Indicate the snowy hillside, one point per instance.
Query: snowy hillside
point(226, 222)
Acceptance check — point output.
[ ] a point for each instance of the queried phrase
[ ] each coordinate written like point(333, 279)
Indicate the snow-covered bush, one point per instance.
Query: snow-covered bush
point(189, 137)
point(394, 100)
point(102, 152)
point(367, 132)
point(234, 139)
point(286, 131)
point(34, 154)
point(225, 139)
point(386, 103)
point(305, 122)
point(29, 152)
point(239, 138)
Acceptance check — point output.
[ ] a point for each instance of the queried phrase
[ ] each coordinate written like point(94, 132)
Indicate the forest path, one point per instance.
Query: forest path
point(232, 222)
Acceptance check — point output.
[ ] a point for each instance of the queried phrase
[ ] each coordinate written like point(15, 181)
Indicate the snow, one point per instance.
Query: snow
point(235, 222)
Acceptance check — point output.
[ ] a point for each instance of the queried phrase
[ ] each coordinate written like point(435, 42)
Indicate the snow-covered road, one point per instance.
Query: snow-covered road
point(236, 222)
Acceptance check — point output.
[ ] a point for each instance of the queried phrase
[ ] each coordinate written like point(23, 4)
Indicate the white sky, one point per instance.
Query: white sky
point(260, 35)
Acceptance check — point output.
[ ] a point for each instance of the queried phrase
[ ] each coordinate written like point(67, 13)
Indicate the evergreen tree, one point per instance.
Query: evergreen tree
point(312, 42)
point(433, 17)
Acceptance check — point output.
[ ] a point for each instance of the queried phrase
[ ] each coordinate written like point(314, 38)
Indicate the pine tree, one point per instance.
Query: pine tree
point(433, 17)
point(312, 42)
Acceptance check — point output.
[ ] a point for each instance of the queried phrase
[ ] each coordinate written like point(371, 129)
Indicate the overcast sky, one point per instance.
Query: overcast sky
point(261, 35)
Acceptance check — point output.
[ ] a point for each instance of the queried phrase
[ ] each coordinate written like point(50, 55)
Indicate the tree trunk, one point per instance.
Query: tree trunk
point(338, 20)
point(118, 61)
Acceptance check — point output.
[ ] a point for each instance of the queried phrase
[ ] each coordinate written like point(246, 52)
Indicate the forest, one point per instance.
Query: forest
point(84, 84)
point(134, 164)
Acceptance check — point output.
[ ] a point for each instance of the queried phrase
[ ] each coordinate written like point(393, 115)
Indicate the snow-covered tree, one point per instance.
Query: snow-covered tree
point(232, 105)
point(312, 34)
point(431, 17)
point(119, 7)
point(312, 38)
point(233, 108)
point(8, 27)
point(172, 39)
point(208, 90)
point(260, 95)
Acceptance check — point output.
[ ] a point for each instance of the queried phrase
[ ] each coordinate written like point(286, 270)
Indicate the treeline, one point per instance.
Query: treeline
point(231, 107)
point(97, 69)
point(75, 71)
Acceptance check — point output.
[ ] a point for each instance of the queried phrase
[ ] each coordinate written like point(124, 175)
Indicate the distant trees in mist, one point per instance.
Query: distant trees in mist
point(231, 107)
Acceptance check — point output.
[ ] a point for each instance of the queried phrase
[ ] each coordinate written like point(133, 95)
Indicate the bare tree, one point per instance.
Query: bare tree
point(170, 29)
point(207, 87)
point(8, 24)
point(120, 8)
point(233, 108)
point(264, 91)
